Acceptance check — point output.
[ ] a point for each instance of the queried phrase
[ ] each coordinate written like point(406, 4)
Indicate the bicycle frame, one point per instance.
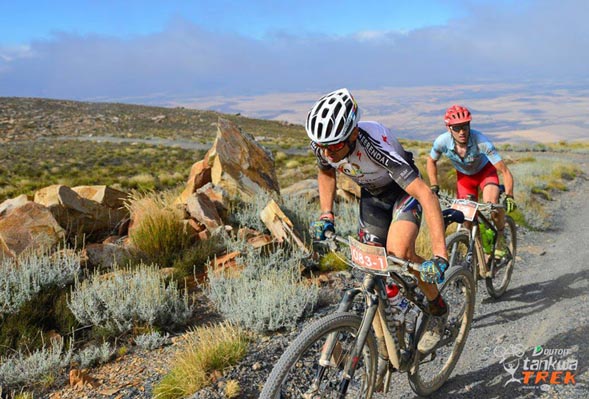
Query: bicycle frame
point(475, 257)
point(395, 350)
point(481, 267)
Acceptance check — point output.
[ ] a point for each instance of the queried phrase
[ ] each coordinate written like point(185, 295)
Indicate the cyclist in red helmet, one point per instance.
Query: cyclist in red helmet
point(476, 162)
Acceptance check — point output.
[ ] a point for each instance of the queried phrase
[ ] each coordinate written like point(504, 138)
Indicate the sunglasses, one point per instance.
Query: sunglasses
point(457, 128)
point(333, 147)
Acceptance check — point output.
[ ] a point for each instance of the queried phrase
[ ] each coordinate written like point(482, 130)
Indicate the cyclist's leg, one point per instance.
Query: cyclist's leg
point(402, 235)
point(401, 242)
point(466, 185)
point(375, 218)
point(489, 184)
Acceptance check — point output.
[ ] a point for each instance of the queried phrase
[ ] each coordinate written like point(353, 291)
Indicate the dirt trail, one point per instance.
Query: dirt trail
point(547, 304)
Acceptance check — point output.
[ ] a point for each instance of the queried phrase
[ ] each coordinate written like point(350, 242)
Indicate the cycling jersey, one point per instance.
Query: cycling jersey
point(378, 163)
point(479, 152)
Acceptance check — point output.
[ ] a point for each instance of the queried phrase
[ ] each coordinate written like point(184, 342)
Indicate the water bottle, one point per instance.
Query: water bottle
point(398, 303)
point(487, 237)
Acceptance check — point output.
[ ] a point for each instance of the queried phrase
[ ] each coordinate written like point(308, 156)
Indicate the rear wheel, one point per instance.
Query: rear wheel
point(298, 373)
point(503, 267)
point(430, 371)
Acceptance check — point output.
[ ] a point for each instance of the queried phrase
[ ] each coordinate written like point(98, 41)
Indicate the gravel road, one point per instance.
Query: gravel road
point(546, 304)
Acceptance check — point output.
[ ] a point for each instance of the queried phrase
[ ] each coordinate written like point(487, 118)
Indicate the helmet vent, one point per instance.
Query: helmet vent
point(340, 127)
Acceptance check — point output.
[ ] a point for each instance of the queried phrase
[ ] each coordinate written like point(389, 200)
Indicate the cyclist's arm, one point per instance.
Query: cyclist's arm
point(433, 214)
point(432, 171)
point(507, 177)
point(327, 186)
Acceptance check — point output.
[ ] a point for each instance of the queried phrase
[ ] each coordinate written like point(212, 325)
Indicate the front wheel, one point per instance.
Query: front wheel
point(299, 374)
point(429, 372)
point(458, 244)
point(503, 266)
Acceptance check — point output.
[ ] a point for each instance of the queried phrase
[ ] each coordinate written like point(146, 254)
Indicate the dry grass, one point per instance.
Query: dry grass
point(202, 354)
point(158, 231)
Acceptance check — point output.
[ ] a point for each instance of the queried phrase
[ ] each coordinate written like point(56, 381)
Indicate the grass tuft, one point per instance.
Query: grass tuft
point(158, 232)
point(202, 353)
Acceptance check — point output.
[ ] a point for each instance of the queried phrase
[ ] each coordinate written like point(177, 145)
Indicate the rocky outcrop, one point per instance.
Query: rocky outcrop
point(13, 203)
point(240, 165)
point(80, 216)
point(200, 175)
point(104, 195)
point(201, 208)
point(29, 227)
point(308, 189)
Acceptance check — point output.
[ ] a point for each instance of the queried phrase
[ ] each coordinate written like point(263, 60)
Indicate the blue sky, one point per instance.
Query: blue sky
point(142, 51)
point(24, 21)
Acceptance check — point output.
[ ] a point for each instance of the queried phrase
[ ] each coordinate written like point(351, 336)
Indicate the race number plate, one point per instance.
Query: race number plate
point(468, 208)
point(368, 256)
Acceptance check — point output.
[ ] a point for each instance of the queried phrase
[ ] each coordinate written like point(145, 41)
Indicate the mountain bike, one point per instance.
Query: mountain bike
point(353, 352)
point(466, 248)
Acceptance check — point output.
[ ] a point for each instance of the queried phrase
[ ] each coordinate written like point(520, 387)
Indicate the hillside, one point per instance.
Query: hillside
point(32, 118)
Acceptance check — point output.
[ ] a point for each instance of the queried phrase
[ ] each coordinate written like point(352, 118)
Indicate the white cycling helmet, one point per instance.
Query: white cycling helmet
point(333, 118)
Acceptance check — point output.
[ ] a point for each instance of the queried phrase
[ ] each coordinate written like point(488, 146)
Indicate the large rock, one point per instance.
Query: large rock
point(10, 204)
point(104, 195)
point(105, 256)
point(31, 226)
point(81, 216)
point(60, 195)
point(239, 164)
point(218, 196)
point(200, 174)
point(201, 208)
point(308, 189)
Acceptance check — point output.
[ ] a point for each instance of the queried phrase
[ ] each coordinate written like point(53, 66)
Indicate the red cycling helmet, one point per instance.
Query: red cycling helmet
point(457, 114)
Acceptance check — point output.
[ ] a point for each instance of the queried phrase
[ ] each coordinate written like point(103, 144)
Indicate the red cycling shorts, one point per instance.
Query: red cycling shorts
point(469, 184)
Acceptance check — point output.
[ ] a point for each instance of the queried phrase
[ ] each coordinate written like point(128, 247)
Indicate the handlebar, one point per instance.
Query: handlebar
point(485, 208)
point(402, 265)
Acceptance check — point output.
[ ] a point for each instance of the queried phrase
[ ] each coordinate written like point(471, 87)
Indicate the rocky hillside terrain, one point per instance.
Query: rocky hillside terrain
point(32, 118)
point(233, 190)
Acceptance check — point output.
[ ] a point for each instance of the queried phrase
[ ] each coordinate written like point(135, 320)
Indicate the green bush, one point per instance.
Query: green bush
point(267, 295)
point(152, 340)
point(128, 298)
point(28, 369)
point(23, 277)
point(94, 355)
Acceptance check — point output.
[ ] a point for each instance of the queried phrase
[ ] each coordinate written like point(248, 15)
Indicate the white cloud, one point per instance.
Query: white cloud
point(544, 40)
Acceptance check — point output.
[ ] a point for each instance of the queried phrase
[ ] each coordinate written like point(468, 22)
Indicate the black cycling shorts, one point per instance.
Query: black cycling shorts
point(378, 213)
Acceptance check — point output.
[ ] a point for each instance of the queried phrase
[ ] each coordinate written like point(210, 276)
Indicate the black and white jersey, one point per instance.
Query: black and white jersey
point(378, 163)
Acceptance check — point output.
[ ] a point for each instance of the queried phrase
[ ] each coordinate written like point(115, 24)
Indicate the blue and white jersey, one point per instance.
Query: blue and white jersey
point(479, 152)
point(377, 163)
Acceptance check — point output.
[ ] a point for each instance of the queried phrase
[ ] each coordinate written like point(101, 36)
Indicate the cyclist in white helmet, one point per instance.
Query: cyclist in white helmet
point(392, 194)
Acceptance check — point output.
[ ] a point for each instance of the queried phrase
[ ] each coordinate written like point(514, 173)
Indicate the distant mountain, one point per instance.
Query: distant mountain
point(506, 112)
point(32, 118)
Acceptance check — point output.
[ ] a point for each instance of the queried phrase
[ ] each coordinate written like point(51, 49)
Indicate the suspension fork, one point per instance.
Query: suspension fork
point(327, 350)
point(352, 361)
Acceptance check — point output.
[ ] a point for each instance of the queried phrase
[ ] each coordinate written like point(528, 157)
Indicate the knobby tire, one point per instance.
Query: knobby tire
point(427, 375)
point(291, 377)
